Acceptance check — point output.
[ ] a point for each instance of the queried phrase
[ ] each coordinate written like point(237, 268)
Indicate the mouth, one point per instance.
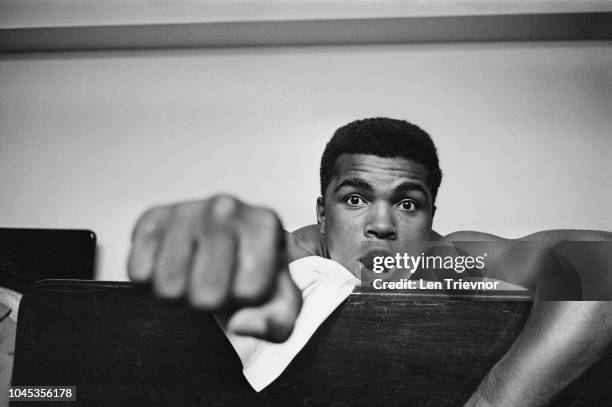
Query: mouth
point(368, 259)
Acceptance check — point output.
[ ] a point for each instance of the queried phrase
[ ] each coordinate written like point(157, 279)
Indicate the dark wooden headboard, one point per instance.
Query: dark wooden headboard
point(121, 347)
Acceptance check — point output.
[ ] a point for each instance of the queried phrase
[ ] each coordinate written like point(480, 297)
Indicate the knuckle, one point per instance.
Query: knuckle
point(190, 213)
point(267, 219)
point(183, 209)
point(223, 207)
point(151, 221)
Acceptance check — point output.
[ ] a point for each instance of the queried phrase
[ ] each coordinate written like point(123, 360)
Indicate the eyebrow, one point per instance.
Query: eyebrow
point(408, 186)
point(359, 183)
point(355, 183)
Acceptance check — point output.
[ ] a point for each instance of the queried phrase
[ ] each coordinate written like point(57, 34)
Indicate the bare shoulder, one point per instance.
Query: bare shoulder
point(528, 259)
point(305, 241)
point(470, 236)
point(553, 236)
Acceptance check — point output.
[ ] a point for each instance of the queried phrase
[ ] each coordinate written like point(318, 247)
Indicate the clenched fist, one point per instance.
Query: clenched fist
point(223, 256)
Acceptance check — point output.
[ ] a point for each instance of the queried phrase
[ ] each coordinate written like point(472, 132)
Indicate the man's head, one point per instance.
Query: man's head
point(379, 180)
point(386, 138)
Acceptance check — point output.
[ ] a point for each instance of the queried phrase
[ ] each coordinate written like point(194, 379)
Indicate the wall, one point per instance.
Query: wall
point(89, 140)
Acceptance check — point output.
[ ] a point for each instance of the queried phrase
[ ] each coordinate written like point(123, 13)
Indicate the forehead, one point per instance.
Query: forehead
point(378, 170)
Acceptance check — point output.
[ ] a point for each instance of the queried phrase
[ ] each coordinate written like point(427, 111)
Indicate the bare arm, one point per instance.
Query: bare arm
point(561, 339)
point(306, 241)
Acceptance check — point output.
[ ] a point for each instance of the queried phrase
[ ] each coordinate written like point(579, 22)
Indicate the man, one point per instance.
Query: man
point(379, 180)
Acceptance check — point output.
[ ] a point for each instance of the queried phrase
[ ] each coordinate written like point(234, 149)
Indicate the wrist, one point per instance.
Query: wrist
point(504, 386)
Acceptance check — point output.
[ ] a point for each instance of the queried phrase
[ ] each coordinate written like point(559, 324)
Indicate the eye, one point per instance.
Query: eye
point(355, 200)
point(407, 205)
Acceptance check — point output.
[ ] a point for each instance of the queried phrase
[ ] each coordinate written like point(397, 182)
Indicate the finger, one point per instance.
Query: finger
point(212, 269)
point(173, 259)
point(274, 321)
point(145, 242)
point(261, 254)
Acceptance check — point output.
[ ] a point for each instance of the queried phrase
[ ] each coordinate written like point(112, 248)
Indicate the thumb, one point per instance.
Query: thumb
point(274, 320)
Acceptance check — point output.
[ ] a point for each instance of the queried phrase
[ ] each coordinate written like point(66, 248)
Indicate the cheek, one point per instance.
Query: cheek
point(344, 227)
point(340, 221)
point(417, 229)
point(344, 249)
point(343, 236)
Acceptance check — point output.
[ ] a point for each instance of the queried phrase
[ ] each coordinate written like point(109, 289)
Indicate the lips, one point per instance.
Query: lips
point(367, 260)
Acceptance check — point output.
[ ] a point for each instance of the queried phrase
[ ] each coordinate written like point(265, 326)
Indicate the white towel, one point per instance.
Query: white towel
point(325, 284)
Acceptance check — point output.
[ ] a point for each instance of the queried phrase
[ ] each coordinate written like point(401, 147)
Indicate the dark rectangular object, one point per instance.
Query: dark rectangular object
point(121, 347)
point(30, 255)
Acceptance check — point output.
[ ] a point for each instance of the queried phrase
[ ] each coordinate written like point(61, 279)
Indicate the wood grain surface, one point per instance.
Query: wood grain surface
point(122, 347)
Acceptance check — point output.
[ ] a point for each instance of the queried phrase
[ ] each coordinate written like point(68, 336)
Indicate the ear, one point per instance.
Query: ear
point(321, 215)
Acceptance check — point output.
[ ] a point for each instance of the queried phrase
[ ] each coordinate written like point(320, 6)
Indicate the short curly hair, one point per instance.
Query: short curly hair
point(382, 137)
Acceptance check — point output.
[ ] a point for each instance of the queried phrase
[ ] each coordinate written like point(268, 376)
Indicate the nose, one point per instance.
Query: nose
point(381, 223)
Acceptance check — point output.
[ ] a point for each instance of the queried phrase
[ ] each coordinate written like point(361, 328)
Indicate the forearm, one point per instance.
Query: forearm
point(560, 340)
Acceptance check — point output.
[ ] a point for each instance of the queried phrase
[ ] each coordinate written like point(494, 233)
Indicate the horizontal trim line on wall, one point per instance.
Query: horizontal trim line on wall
point(524, 27)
